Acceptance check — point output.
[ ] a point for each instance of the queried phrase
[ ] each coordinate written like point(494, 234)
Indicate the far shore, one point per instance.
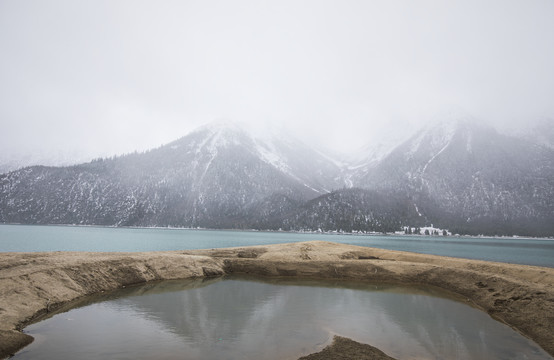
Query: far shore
point(346, 233)
point(34, 284)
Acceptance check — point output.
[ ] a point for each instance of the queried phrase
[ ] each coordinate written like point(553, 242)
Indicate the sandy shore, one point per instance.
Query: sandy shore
point(32, 284)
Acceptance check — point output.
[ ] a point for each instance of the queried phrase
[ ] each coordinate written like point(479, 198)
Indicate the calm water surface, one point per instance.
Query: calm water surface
point(71, 238)
point(244, 318)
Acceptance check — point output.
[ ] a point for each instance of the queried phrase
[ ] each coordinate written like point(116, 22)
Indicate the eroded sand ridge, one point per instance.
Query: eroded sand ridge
point(32, 284)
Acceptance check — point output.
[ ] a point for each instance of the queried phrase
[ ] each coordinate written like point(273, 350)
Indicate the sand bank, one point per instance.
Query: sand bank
point(344, 348)
point(32, 284)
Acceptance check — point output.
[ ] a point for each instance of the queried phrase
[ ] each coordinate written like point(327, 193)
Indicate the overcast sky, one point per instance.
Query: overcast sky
point(105, 77)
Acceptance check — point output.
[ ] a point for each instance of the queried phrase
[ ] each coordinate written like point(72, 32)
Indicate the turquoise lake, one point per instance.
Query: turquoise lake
point(539, 252)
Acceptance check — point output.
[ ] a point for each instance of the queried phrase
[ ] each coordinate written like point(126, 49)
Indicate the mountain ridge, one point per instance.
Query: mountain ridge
point(456, 174)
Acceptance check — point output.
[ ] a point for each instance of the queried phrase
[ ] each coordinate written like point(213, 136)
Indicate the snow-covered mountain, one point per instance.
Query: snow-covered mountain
point(207, 178)
point(456, 174)
point(464, 174)
point(313, 172)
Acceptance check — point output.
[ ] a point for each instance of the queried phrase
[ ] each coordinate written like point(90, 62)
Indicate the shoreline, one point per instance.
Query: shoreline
point(481, 236)
point(33, 284)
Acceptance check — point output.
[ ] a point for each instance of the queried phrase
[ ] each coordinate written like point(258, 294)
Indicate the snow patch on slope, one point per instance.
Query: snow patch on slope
point(268, 152)
point(437, 135)
point(434, 157)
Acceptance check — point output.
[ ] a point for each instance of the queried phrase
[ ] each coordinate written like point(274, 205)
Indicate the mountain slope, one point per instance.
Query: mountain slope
point(455, 174)
point(353, 210)
point(207, 178)
point(469, 176)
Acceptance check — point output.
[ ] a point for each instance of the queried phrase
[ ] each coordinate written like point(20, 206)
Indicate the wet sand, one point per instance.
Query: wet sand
point(343, 348)
point(33, 284)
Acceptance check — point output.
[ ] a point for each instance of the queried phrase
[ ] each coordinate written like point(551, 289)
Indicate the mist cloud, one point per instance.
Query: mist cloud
point(111, 77)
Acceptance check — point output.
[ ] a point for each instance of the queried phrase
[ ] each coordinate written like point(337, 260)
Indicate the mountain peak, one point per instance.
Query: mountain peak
point(211, 137)
point(449, 122)
point(222, 125)
point(440, 131)
point(281, 151)
point(222, 129)
point(226, 130)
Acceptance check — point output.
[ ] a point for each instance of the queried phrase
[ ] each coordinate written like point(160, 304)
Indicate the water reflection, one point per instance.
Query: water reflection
point(240, 318)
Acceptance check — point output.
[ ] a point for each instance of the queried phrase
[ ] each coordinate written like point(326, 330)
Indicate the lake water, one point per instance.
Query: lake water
point(248, 318)
point(538, 252)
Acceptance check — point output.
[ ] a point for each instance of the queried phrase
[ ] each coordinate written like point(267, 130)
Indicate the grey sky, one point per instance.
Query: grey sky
point(113, 76)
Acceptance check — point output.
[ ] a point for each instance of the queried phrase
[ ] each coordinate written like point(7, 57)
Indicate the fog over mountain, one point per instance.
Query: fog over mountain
point(103, 78)
point(359, 115)
point(457, 174)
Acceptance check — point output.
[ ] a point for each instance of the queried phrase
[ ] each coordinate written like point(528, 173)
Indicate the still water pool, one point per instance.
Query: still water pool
point(251, 318)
